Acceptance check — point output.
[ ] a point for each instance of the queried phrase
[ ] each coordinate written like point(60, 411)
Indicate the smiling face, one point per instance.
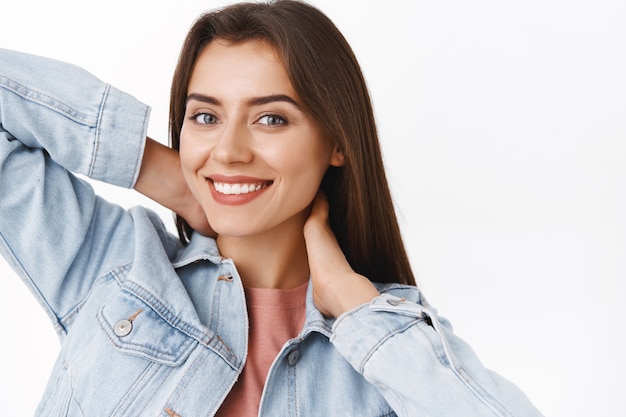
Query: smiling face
point(249, 152)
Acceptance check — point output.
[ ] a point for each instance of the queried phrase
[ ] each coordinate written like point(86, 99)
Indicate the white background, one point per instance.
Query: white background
point(503, 126)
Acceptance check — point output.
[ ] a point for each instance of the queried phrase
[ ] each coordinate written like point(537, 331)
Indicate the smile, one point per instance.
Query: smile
point(236, 189)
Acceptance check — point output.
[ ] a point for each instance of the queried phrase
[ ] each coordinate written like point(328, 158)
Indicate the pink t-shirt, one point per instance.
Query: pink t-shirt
point(275, 317)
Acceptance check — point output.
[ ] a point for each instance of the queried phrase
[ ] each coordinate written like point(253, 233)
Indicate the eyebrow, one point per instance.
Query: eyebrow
point(254, 101)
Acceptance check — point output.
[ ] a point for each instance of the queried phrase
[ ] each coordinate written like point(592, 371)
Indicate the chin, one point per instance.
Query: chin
point(233, 230)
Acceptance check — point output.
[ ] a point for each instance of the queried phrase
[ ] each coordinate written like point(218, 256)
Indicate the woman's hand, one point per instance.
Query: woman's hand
point(191, 210)
point(336, 287)
point(161, 180)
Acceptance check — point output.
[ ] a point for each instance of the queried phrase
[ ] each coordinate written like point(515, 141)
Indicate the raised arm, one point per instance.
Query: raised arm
point(56, 119)
point(399, 344)
point(160, 179)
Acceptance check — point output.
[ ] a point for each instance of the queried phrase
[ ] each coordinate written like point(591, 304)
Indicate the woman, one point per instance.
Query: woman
point(301, 303)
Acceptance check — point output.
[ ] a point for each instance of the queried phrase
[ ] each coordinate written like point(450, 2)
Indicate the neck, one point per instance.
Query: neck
point(273, 259)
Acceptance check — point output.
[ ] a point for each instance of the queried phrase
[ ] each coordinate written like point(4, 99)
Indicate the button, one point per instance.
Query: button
point(293, 357)
point(395, 301)
point(122, 328)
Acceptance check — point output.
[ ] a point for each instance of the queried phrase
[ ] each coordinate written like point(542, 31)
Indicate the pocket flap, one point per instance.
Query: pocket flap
point(136, 329)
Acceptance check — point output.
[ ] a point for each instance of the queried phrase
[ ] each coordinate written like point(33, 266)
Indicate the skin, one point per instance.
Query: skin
point(244, 124)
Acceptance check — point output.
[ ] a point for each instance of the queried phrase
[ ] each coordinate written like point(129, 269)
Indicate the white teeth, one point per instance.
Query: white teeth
point(229, 189)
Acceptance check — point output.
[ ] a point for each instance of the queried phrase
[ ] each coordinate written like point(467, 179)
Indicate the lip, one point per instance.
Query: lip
point(234, 179)
point(236, 199)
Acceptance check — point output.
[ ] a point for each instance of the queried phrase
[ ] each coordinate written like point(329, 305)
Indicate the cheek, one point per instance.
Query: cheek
point(191, 160)
point(192, 151)
point(186, 157)
point(305, 171)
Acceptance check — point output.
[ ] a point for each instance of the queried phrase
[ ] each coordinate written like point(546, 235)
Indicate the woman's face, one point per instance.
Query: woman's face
point(250, 154)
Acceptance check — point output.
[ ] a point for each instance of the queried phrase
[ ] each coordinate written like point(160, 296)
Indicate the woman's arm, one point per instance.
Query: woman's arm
point(161, 179)
point(400, 346)
point(336, 287)
point(419, 365)
point(54, 231)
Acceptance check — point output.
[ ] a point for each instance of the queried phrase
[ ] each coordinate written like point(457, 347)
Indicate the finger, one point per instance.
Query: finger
point(320, 207)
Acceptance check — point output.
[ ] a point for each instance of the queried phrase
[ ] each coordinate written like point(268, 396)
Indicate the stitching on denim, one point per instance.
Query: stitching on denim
point(158, 307)
point(140, 154)
point(214, 321)
point(47, 101)
point(19, 269)
point(119, 273)
point(96, 145)
point(187, 378)
point(439, 351)
point(473, 385)
point(295, 387)
point(161, 382)
point(177, 323)
point(404, 288)
point(382, 341)
point(292, 400)
point(481, 393)
point(72, 398)
point(71, 316)
point(54, 392)
point(133, 393)
point(153, 354)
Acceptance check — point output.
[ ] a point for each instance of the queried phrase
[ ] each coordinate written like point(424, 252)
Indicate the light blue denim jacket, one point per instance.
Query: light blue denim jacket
point(152, 328)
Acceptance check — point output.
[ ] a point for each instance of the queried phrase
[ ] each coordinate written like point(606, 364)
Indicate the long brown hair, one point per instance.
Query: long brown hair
point(327, 77)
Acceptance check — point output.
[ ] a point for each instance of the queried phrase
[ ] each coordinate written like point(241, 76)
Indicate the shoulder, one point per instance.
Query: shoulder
point(150, 230)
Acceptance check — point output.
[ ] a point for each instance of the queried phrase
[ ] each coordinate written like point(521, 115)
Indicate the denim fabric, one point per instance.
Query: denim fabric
point(152, 328)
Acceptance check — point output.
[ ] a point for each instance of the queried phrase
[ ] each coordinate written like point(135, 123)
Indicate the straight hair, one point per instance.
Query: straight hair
point(328, 79)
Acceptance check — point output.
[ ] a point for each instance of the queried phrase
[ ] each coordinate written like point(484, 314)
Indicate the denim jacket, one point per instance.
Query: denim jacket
point(153, 328)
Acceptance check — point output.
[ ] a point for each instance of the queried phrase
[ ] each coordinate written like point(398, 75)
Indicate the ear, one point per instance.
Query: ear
point(337, 159)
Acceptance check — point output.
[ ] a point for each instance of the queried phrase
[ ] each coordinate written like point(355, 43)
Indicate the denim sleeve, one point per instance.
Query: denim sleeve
point(420, 366)
point(56, 119)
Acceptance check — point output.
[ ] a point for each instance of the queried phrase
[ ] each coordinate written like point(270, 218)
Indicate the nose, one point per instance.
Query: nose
point(233, 145)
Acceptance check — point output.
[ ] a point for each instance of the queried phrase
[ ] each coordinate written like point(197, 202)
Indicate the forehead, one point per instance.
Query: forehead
point(252, 66)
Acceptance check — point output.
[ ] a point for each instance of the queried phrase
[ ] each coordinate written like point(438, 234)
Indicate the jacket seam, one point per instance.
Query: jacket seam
point(477, 389)
point(382, 341)
point(30, 283)
point(96, 145)
point(38, 97)
point(67, 320)
point(465, 377)
point(155, 355)
point(212, 342)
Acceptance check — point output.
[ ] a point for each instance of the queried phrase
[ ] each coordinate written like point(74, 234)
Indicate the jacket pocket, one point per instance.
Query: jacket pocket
point(134, 328)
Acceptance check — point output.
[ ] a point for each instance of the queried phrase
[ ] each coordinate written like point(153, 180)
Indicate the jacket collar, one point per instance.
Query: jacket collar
point(200, 248)
point(203, 248)
point(315, 320)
